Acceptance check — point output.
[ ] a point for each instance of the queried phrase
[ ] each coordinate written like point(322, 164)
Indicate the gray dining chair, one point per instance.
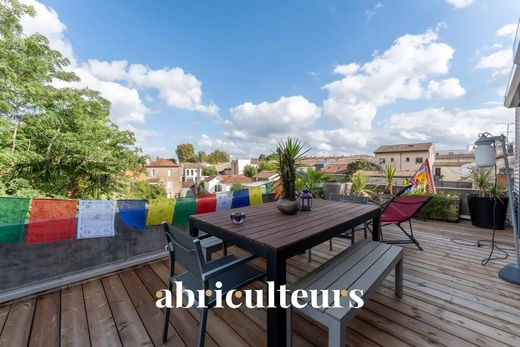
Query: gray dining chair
point(349, 234)
point(199, 274)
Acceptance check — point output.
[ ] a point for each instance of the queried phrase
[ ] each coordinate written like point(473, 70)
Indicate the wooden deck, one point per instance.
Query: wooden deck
point(449, 299)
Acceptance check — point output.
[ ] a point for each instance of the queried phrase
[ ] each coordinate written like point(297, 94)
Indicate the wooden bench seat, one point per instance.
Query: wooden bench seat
point(363, 266)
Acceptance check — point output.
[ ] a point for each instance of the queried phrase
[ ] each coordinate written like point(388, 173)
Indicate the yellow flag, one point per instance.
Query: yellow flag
point(255, 196)
point(160, 210)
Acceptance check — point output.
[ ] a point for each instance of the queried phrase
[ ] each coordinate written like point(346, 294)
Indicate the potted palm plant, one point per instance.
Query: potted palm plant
point(488, 208)
point(360, 185)
point(389, 173)
point(290, 153)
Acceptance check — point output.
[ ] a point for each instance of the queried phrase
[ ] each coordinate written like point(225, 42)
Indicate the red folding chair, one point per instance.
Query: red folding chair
point(401, 209)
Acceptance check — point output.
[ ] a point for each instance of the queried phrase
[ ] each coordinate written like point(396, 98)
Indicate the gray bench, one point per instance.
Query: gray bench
point(364, 265)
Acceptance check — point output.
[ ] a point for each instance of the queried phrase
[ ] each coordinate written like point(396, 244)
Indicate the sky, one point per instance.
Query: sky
point(239, 75)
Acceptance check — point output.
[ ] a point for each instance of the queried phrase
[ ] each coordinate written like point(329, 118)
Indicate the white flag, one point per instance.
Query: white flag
point(96, 218)
point(224, 201)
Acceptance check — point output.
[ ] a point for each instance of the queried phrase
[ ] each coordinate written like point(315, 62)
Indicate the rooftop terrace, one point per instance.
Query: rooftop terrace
point(449, 299)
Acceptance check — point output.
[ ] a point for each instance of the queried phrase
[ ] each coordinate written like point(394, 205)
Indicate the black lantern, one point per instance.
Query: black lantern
point(306, 200)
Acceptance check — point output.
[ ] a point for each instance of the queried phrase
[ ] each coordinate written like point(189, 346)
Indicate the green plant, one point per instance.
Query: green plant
point(389, 172)
point(312, 180)
point(482, 179)
point(290, 152)
point(250, 171)
point(237, 186)
point(441, 206)
point(209, 171)
point(267, 165)
point(360, 185)
point(357, 165)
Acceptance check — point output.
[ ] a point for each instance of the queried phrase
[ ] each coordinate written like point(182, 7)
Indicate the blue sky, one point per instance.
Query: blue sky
point(345, 76)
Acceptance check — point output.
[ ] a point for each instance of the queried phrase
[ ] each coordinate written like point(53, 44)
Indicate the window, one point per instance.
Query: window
point(438, 171)
point(407, 159)
point(152, 173)
point(169, 173)
point(169, 185)
point(381, 160)
point(391, 160)
point(218, 188)
point(418, 160)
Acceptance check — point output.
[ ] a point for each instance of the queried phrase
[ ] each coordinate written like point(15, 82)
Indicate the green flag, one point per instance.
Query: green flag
point(269, 187)
point(184, 208)
point(13, 212)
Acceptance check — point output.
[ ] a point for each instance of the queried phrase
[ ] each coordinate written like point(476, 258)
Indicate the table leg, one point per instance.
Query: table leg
point(194, 231)
point(376, 228)
point(276, 317)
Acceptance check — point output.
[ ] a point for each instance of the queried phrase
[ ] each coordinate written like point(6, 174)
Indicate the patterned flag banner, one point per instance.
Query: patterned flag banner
point(224, 201)
point(133, 213)
point(51, 220)
point(160, 210)
point(422, 181)
point(269, 187)
point(240, 198)
point(206, 203)
point(13, 212)
point(96, 218)
point(184, 208)
point(255, 196)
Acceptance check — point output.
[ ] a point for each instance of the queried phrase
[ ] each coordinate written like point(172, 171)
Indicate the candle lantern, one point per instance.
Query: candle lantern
point(306, 200)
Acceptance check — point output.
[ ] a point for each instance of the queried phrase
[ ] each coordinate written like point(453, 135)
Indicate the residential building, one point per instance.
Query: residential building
point(192, 172)
point(223, 183)
point(266, 176)
point(405, 157)
point(167, 173)
point(237, 165)
point(452, 165)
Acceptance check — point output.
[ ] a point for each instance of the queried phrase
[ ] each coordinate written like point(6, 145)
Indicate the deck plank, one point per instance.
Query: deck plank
point(17, 327)
point(4, 311)
point(74, 326)
point(46, 324)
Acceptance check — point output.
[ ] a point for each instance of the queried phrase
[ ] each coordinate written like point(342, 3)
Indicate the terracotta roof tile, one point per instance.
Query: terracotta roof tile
point(405, 147)
point(162, 163)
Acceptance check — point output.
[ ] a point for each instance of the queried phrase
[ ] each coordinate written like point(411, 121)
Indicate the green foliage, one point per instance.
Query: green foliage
point(186, 153)
point(290, 152)
point(312, 180)
point(209, 171)
point(267, 165)
point(361, 164)
point(58, 141)
point(441, 206)
point(202, 157)
point(360, 185)
point(389, 172)
point(144, 190)
point(483, 180)
point(236, 186)
point(217, 157)
point(250, 171)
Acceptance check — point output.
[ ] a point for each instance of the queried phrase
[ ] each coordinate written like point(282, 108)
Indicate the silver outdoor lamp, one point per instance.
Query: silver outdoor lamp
point(485, 156)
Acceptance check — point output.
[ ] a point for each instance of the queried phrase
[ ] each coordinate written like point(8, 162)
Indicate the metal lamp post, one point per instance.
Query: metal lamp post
point(485, 156)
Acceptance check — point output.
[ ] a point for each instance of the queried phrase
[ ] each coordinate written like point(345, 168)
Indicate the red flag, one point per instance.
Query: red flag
point(206, 203)
point(51, 220)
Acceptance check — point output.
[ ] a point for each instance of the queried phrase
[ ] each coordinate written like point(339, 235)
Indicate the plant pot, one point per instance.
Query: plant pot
point(487, 212)
point(332, 188)
point(287, 206)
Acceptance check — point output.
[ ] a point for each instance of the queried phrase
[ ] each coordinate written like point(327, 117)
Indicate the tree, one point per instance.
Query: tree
point(312, 180)
point(250, 171)
point(59, 141)
point(202, 157)
point(262, 157)
point(217, 157)
point(209, 171)
point(186, 153)
point(236, 186)
point(266, 165)
point(361, 164)
point(144, 190)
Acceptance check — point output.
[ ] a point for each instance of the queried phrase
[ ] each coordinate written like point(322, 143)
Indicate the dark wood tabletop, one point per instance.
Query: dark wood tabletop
point(274, 236)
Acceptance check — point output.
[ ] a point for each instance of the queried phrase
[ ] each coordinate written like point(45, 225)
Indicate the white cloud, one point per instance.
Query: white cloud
point(372, 12)
point(508, 30)
point(497, 60)
point(450, 127)
point(449, 88)
point(402, 72)
point(119, 82)
point(460, 3)
point(266, 120)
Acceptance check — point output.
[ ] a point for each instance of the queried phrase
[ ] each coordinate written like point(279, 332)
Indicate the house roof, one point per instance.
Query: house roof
point(231, 179)
point(335, 168)
point(265, 174)
point(404, 147)
point(159, 162)
point(193, 165)
point(188, 184)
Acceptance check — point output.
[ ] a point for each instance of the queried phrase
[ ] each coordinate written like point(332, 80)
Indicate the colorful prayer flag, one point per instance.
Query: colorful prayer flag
point(269, 187)
point(51, 220)
point(184, 208)
point(224, 201)
point(160, 210)
point(206, 203)
point(240, 198)
point(133, 213)
point(422, 181)
point(13, 212)
point(255, 196)
point(96, 218)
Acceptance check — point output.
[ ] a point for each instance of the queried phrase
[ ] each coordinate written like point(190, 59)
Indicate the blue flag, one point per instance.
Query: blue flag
point(133, 213)
point(240, 198)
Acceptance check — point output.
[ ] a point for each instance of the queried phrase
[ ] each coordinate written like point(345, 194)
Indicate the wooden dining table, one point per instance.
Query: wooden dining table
point(274, 236)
